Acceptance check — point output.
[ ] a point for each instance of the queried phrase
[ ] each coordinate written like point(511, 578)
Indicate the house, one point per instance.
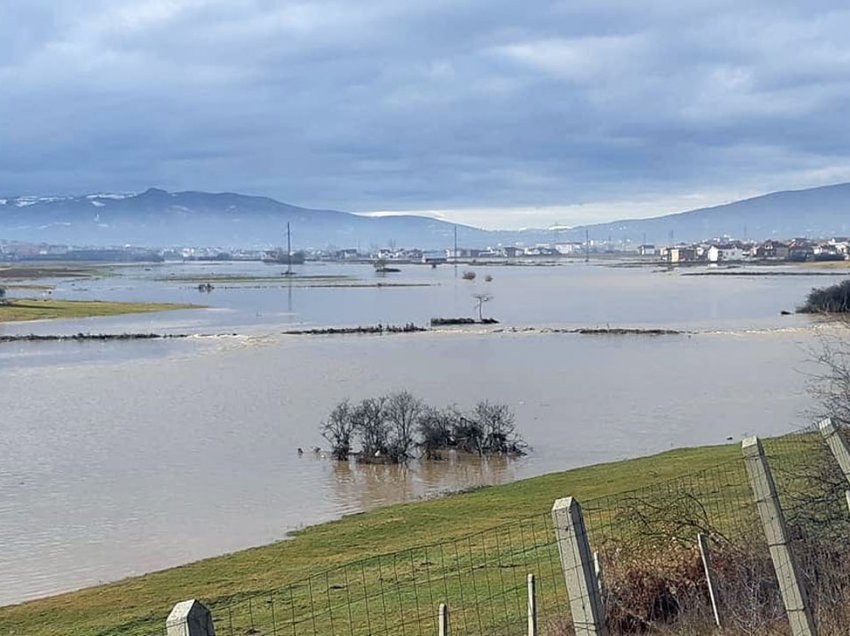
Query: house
point(433, 257)
point(670, 255)
point(773, 251)
point(801, 250)
point(569, 248)
point(725, 253)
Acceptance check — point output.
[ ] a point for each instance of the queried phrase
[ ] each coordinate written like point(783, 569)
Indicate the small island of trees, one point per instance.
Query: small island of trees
point(830, 300)
point(396, 427)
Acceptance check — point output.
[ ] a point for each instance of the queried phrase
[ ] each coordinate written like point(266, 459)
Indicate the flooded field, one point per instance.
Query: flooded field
point(117, 458)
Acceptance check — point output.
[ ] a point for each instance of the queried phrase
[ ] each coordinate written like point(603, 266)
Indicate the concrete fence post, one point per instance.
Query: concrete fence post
point(443, 620)
point(704, 554)
point(532, 606)
point(773, 520)
point(577, 562)
point(837, 445)
point(600, 582)
point(189, 618)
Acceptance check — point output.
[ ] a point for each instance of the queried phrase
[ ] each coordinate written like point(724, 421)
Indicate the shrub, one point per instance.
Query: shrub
point(833, 299)
point(391, 427)
point(338, 429)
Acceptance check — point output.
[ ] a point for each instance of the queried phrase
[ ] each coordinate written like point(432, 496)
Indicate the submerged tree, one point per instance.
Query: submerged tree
point(371, 427)
point(436, 429)
point(831, 300)
point(338, 430)
point(498, 430)
point(403, 412)
point(391, 428)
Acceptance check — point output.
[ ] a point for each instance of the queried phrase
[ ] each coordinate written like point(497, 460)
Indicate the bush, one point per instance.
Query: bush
point(833, 299)
point(338, 429)
point(391, 428)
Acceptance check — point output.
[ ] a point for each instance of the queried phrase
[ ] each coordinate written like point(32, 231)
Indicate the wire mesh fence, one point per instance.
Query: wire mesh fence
point(652, 575)
point(481, 577)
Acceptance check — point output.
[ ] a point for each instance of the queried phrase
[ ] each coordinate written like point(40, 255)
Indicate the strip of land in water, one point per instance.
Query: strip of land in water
point(30, 272)
point(20, 309)
point(138, 606)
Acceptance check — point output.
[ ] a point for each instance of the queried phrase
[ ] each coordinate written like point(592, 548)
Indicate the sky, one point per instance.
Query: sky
point(497, 113)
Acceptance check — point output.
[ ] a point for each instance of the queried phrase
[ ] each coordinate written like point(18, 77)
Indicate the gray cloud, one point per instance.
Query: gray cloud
point(410, 105)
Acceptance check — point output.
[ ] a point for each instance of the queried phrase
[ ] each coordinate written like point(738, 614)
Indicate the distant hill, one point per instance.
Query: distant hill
point(159, 218)
point(815, 212)
point(156, 218)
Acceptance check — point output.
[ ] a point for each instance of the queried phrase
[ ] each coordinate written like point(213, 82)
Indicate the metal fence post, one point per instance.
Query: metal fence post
point(532, 606)
point(837, 445)
point(704, 554)
point(444, 620)
point(773, 520)
point(577, 562)
point(189, 618)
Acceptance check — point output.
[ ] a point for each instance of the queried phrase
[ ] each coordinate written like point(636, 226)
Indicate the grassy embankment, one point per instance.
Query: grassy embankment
point(31, 277)
point(137, 605)
point(19, 309)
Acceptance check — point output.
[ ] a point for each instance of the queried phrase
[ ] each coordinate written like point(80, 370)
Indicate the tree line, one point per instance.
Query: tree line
point(399, 426)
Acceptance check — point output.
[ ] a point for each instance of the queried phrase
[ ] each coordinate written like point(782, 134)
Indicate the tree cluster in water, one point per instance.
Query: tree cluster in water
point(396, 427)
point(833, 299)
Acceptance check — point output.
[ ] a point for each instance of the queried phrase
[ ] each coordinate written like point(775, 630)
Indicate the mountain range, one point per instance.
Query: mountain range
point(156, 218)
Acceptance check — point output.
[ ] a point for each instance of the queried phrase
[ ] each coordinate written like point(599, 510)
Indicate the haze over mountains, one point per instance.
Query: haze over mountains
point(156, 218)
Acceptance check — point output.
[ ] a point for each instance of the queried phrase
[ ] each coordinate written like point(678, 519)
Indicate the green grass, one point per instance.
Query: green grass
point(55, 270)
point(19, 309)
point(138, 605)
point(371, 573)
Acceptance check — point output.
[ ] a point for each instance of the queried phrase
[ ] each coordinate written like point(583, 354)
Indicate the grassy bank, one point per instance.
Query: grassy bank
point(58, 270)
point(135, 605)
point(19, 309)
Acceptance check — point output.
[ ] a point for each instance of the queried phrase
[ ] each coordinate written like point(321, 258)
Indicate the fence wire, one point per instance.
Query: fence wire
point(481, 577)
point(653, 577)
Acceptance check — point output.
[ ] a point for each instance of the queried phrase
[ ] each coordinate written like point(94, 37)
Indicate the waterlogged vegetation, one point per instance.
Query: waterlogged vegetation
point(20, 309)
point(396, 427)
point(31, 272)
point(834, 299)
point(138, 606)
point(247, 280)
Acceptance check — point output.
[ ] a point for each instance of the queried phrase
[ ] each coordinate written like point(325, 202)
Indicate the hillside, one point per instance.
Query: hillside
point(156, 218)
point(159, 218)
point(815, 212)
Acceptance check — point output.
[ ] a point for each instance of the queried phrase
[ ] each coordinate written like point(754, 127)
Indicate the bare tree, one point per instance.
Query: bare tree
point(391, 427)
point(830, 384)
point(338, 430)
point(370, 425)
point(498, 429)
point(402, 413)
point(436, 431)
point(480, 300)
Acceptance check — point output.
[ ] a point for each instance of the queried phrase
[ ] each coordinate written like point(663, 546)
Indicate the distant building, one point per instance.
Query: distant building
point(434, 256)
point(773, 251)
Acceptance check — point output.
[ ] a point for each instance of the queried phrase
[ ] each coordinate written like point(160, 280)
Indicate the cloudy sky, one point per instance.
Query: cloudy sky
point(499, 113)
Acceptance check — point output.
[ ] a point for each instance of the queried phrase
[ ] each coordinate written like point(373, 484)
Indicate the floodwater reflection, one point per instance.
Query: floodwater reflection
point(365, 486)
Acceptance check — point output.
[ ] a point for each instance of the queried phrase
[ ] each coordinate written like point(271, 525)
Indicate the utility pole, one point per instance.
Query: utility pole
point(288, 251)
point(586, 245)
point(455, 252)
